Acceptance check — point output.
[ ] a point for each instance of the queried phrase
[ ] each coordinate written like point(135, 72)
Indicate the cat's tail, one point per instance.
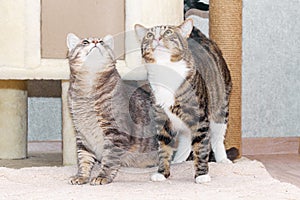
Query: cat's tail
point(195, 4)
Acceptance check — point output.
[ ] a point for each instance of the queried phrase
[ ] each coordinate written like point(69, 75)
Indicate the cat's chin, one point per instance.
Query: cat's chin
point(94, 54)
point(160, 47)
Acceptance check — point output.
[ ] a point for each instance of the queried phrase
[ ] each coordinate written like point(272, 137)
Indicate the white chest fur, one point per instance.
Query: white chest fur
point(94, 63)
point(165, 78)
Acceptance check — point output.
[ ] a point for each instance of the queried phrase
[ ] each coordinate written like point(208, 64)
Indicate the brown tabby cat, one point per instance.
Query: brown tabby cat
point(111, 118)
point(191, 93)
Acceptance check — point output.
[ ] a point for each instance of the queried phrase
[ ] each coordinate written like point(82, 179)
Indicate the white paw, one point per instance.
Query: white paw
point(158, 177)
point(225, 160)
point(203, 179)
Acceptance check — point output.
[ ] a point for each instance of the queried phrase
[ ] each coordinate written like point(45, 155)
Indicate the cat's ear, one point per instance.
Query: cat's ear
point(140, 31)
point(109, 41)
point(72, 41)
point(186, 28)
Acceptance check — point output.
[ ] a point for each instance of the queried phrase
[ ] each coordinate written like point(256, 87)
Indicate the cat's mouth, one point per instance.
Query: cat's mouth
point(95, 48)
point(160, 47)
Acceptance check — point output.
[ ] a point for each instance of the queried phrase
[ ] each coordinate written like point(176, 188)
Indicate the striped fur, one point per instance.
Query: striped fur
point(195, 88)
point(218, 82)
point(110, 117)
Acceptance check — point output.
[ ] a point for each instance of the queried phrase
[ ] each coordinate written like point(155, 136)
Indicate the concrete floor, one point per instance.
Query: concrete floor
point(39, 154)
point(35, 159)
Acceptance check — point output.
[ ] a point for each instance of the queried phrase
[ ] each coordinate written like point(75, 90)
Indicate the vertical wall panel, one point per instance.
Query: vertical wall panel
point(95, 18)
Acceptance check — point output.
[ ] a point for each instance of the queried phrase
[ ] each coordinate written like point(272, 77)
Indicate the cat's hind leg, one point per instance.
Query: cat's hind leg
point(86, 161)
point(217, 131)
point(201, 150)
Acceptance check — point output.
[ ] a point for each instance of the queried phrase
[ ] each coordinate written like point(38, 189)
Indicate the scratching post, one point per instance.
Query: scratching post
point(225, 28)
point(13, 119)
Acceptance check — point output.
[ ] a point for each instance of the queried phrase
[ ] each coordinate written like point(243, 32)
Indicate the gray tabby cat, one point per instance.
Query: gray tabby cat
point(191, 95)
point(111, 118)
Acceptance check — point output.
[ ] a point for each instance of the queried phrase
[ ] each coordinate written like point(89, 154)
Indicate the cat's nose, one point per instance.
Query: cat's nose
point(158, 38)
point(95, 41)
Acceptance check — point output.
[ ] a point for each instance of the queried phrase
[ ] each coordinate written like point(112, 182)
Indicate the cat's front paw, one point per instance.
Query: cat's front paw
point(203, 179)
point(225, 160)
point(100, 181)
point(78, 180)
point(157, 177)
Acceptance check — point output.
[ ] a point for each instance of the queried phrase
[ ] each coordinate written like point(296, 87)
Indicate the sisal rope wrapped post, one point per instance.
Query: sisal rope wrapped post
point(225, 28)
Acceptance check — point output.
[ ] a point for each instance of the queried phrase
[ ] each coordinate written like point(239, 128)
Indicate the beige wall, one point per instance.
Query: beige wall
point(86, 18)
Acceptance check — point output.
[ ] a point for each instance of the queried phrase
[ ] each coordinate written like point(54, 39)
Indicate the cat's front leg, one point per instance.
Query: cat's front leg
point(86, 161)
point(110, 164)
point(165, 153)
point(165, 140)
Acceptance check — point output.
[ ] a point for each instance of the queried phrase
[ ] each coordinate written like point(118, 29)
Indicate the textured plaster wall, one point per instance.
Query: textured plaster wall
point(271, 68)
point(44, 110)
point(44, 119)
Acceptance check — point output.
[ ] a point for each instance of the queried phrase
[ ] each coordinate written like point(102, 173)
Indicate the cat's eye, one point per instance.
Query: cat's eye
point(149, 35)
point(101, 42)
point(85, 42)
point(168, 32)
